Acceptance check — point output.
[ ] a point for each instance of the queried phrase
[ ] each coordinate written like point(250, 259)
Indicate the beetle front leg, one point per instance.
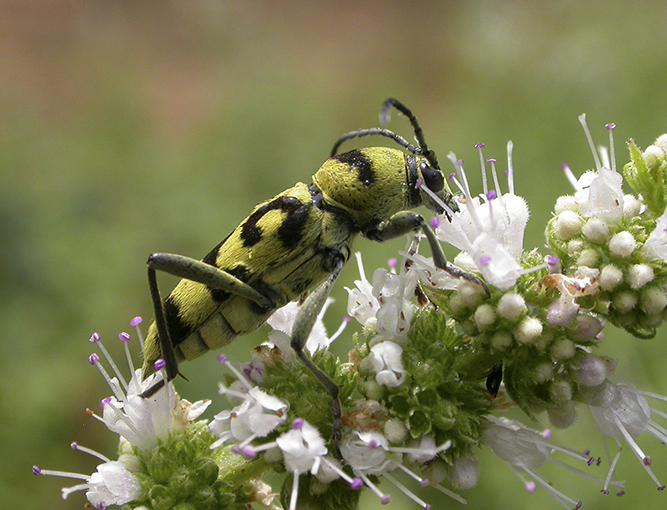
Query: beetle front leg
point(406, 222)
point(303, 325)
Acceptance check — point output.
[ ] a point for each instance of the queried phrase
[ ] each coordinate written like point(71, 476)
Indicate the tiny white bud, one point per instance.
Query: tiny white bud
point(588, 257)
point(566, 203)
point(595, 230)
point(653, 300)
point(464, 473)
point(456, 305)
point(661, 142)
point(624, 301)
point(639, 275)
point(622, 244)
point(561, 391)
point(562, 311)
point(591, 371)
point(395, 430)
point(631, 206)
point(586, 327)
point(501, 340)
point(563, 349)
point(511, 306)
point(485, 317)
point(610, 277)
point(528, 330)
point(470, 293)
point(543, 373)
point(574, 247)
point(567, 225)
point(563, 415)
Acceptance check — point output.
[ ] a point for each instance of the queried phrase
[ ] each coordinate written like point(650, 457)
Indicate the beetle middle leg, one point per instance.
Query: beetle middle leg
point(406, 222)
point(303, 325)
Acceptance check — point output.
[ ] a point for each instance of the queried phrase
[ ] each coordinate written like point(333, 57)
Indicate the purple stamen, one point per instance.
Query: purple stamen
point(587, 453)
point(222, 358)
point(424, 482)
point(248, 451)
point(484, 260)
point(125, 337)
point(419, 183)
point(479, 145)
point(385, 499)
point(610, 126)
point(491, 160)
point(590, 461)
point(36, 470)
point(491, 194)
point(347, 319)
point(236, 450)
point(298, 423)
point(160, 364)
point(646, 461)
point(578, 506)
point(546, 434)
point(552, 260)
point(95, 337)
point(372, 443)
point(620, 493)
point(452, 176)
point(392, 263)
point(435, 222)
point(136, 321)
point(93, 358)
point(356, 484)
point(73, 445)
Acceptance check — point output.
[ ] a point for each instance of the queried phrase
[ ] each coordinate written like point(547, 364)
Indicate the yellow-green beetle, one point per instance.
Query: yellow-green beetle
point(296, 245)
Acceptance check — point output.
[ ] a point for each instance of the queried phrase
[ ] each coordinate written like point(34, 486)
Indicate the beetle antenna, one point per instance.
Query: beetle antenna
point(381, 132)
point(419, 133)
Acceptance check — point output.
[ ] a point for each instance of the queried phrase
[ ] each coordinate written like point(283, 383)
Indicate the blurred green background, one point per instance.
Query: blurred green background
point(130, 127)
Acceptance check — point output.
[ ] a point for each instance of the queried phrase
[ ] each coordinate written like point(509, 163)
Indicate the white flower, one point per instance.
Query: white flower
point(385, 358)
point(622, 412)
point(525, 450)
point(489, 227)
point(384, 305)
point(599, 193)
point(258, 416)
point(112, 484)
point(656, 244)
point(282, 322)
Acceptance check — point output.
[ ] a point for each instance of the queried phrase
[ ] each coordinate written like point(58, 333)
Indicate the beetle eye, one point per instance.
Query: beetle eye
point(433, 178)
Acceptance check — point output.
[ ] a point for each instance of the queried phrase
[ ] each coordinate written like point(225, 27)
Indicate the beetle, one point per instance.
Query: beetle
point(295, 245)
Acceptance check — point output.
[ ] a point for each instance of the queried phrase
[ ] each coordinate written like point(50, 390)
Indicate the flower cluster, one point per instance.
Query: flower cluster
point(435, 363)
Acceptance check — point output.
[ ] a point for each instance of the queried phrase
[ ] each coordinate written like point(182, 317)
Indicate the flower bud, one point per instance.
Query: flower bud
point(622, 244)
point(595, 230)
point(567, 225)
point(511, 306)
point(610, 277)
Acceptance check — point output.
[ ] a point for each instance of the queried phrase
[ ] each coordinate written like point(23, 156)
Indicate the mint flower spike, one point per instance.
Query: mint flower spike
point(141, 424)
point(525, 450)
point(622, 412)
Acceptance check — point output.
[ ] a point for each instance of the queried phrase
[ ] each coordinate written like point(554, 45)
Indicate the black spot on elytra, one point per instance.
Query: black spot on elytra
point(178, 329)
point(251, 233)
point(290, 232)
point(361, 163)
